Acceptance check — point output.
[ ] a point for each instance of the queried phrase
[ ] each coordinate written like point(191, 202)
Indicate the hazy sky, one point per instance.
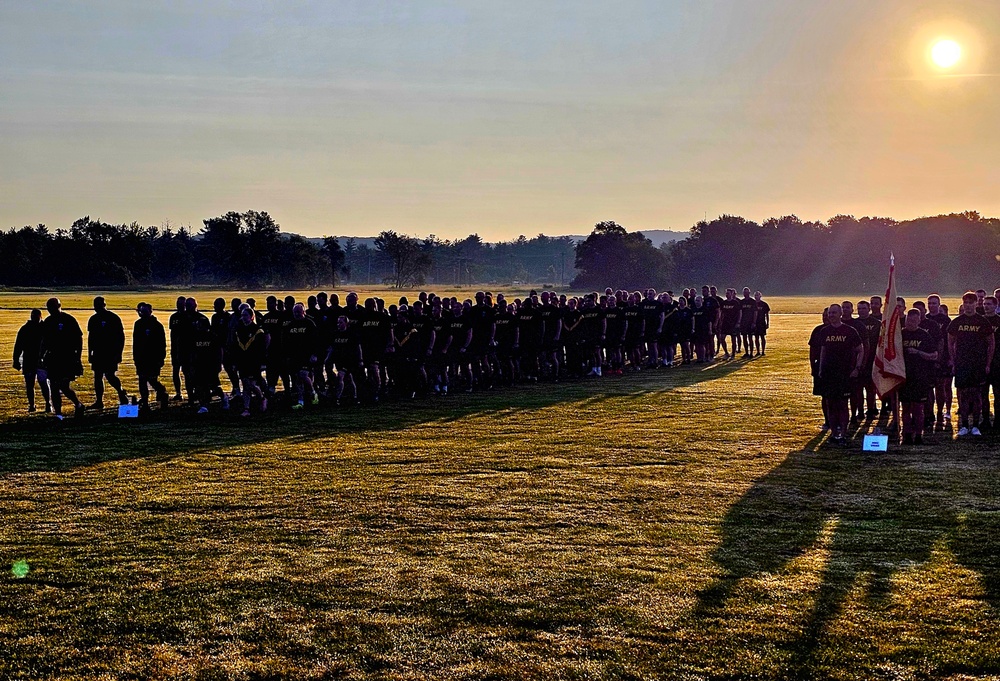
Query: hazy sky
point(500, 118)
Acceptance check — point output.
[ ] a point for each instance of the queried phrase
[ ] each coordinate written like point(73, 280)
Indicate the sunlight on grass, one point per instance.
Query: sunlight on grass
point(669, 524)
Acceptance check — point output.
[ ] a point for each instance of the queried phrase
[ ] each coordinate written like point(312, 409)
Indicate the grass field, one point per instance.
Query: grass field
point(674, 524)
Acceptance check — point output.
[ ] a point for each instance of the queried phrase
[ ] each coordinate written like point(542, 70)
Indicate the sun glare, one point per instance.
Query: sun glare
point(946, 53)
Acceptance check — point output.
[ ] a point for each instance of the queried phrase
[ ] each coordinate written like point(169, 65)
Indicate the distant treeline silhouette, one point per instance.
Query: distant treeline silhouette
point(786, 255)
point(780, 255)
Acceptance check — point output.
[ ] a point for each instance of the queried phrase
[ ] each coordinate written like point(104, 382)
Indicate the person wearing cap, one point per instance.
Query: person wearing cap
point(61, 351)
point(105, 344)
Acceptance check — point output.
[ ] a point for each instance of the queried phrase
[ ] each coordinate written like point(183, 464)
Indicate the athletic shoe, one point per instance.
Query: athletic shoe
point(31, 409)
point(975, 431)
point(724, 357)
point(315, 400)
point(298, 405)
point(225, 403)
point(177, 398)
point(598, 370)
point(246, 412)
point(947, 418)
point(59, 417)
point(963, 431)
point(747, 355)
point(202, 410)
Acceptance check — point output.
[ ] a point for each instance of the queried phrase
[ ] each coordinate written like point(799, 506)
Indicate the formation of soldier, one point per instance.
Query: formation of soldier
point(940, 352)
point(321, 350)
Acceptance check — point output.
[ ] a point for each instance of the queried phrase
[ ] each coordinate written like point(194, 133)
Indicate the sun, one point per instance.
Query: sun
point(946, 53)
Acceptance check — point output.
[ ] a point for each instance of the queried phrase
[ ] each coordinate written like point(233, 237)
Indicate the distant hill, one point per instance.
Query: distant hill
point(657, 236)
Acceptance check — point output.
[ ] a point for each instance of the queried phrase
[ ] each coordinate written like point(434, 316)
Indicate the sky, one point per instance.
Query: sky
point(495, 118)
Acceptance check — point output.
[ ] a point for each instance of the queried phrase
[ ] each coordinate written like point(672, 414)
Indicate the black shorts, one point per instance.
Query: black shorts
point(104, 367)
point(748, 330)
point(728, 330)
point(817, 385)
point(913, 392)
point(373, 355)
point(760, 330)
point(837, 387)
point(148, 370)
point(969, 376)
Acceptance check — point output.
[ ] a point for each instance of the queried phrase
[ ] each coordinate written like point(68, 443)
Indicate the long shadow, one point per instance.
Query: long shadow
point(44, 444)
point(871, 516)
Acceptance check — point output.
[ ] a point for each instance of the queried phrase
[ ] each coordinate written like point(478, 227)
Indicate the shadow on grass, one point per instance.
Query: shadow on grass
point(44, 444)
point(868, 517)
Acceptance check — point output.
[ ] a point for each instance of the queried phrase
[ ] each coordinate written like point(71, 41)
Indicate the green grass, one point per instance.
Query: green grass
point(684, 524)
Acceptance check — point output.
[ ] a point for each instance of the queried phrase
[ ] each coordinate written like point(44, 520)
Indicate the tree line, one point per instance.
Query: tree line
point(248, 250)
point(786, 255)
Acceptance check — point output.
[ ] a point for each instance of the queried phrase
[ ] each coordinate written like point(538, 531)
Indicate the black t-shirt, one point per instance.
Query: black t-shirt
point(590, 324)
point(748, 313)
point(458, 328)
point(442, 332)
point(651, 310)
point(346, 346)
point(28, 344)
point(730, 312)
point(714, 303)
point(633, 317)
point(506, 325)
point(422, 340)
point(872, 330)
point(273, 324)
point(250, 346)
point(943, 321)
point(106, 336)
point(572, 325)
point(970, 333)
point(205, 353)
point(376, 330)
point(180, 332)
point(615, 317)
point(551, 317)
point(221, 321)
point(62, 339)
point(529, 321)
point(680, 322)
point(702, 320)
point(837, 346)
point(482, 317)
point(149, 343)
point(301, 340)
point(918, 368)
point(763, 315)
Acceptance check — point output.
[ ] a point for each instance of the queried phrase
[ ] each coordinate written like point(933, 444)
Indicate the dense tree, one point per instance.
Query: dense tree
point(612, 256)
point(410, 263)
point(337, 258)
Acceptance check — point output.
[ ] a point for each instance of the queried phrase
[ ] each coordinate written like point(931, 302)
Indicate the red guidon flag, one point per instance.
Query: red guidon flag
point(889, 371)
